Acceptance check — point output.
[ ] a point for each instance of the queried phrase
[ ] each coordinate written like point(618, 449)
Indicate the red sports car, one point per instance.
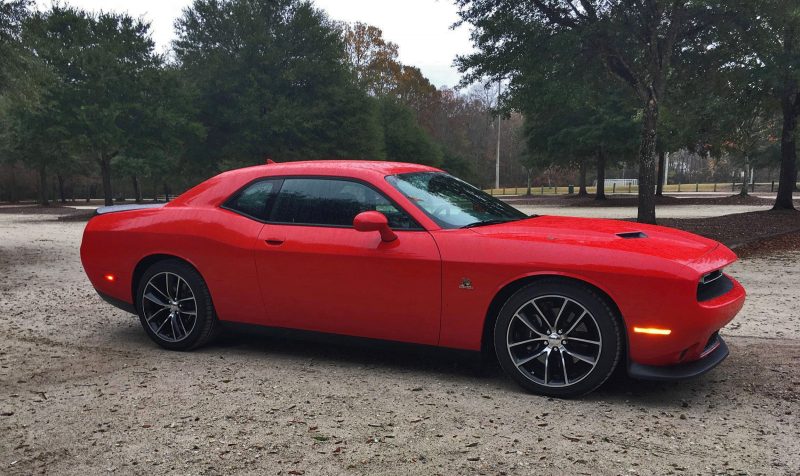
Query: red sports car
point(409, 253)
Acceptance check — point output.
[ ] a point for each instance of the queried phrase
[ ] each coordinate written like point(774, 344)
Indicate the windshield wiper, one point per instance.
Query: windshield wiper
point(492, 221)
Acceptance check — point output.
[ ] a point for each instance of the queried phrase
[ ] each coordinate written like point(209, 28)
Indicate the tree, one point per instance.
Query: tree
point(101, 61)
point(635, 41)
point(15, 63)
point(456, 124)
point(373, 59)
point(12, 55)
point(166, 126)
point(765, 40)
point(574, 117)
point(32, 103)
point(36, 136)
point(405, 140)
point(273, 80)
point(577, 133)
point(463, 125)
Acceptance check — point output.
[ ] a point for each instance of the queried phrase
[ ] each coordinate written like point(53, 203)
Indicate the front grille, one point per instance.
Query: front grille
point(713, 285)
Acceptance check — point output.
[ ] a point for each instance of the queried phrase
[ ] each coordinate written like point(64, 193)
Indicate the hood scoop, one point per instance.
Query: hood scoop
point(629, 235)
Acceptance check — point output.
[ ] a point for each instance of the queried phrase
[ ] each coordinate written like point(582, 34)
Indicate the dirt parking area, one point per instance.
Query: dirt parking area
point(83, 391)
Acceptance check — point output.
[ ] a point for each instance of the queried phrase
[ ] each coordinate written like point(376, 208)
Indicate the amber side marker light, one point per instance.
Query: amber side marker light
point(652, 330)
point(110, 278)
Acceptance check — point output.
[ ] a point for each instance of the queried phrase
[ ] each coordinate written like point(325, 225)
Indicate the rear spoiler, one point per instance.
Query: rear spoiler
point(126, 208)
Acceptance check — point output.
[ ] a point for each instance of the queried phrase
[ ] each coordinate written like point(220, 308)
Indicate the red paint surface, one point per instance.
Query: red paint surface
point(344, 281)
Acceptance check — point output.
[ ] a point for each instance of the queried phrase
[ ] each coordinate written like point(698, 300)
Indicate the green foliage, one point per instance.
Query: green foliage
point(13, 57)
point(273, 81)
point(762, 42)
point(34, 130)
point(572, 109)
point(165, 125)
point(638, 42)
point(278, 78)
point(457, 165)
point(405, 140)
point(100, 64)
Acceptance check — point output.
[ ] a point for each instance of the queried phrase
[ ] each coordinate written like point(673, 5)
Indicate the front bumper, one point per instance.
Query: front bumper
point(716, 354)
point(693, 327)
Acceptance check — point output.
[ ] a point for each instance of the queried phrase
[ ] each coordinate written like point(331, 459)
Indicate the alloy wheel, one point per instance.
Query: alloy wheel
point(170, 307)
point(554, 341)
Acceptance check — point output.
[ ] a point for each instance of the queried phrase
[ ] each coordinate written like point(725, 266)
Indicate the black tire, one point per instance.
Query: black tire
point(204, 326)
point(518, 338)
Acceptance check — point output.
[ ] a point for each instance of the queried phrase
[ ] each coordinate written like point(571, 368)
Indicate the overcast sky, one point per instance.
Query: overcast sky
point(421, 28)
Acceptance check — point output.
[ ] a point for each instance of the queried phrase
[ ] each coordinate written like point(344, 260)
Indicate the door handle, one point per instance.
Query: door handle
point(274, 241)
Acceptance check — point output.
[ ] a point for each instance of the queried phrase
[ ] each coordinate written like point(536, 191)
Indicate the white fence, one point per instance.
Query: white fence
point(619, 181)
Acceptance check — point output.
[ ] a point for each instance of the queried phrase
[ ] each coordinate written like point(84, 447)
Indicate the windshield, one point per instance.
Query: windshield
point(452, 203)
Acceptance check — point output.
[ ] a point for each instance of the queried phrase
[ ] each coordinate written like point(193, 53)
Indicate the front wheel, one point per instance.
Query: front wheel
point(175, 306)
point(558, 338)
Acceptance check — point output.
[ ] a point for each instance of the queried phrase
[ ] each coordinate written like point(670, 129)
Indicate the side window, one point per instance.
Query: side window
point(333, 202)
point(254, 201)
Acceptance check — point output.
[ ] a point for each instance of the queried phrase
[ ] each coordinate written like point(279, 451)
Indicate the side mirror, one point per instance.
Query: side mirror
point(374, 221)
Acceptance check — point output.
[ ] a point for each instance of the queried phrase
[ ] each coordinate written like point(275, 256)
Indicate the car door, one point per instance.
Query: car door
point(317, 272)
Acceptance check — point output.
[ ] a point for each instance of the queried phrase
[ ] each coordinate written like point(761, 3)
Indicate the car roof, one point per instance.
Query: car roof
point(355, 168)
point(213, 190)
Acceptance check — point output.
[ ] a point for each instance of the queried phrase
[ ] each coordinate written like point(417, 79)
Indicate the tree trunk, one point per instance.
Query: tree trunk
point(647, 164)
point(787, 176)
point(12, 191)
point(582, 180)
point(601, 175)
point(528, 193)
point(43, 186)
point(137, 191)
point(61, 194)
point(745, 178)
point(105, 171)
point(662, 162)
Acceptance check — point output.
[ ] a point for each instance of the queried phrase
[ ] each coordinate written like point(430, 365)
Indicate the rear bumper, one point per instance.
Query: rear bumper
point(715, 355)
point(125, 306)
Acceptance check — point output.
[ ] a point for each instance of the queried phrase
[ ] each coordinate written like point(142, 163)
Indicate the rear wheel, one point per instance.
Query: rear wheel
point(558, 338)
point(175, 306)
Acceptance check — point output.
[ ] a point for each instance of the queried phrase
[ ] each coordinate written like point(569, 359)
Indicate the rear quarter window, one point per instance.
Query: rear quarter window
point(255, 199)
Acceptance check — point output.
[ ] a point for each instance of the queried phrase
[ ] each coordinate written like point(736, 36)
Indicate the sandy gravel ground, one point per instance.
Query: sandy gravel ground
point(83, 391)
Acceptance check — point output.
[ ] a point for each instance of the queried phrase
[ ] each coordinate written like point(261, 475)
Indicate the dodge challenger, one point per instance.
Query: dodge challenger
point(408, 253)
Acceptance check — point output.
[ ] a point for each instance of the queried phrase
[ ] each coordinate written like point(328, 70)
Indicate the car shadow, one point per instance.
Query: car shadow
point(448, 364)
point(370, 353)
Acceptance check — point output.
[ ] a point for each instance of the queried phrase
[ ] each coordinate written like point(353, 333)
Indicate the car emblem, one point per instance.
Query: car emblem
point(466, 283)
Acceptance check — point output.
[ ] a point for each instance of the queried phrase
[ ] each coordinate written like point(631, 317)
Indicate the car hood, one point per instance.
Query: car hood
point(667, 243)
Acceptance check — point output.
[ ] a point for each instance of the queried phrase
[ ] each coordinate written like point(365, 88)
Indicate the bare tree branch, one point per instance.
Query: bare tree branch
point(575, 10)
point(589, 8)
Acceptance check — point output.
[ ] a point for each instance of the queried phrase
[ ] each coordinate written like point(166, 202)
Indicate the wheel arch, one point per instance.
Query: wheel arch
point(500, 298)
point(148, 261)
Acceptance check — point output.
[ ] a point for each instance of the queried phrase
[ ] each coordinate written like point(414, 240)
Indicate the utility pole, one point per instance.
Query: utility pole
point(497, 162)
